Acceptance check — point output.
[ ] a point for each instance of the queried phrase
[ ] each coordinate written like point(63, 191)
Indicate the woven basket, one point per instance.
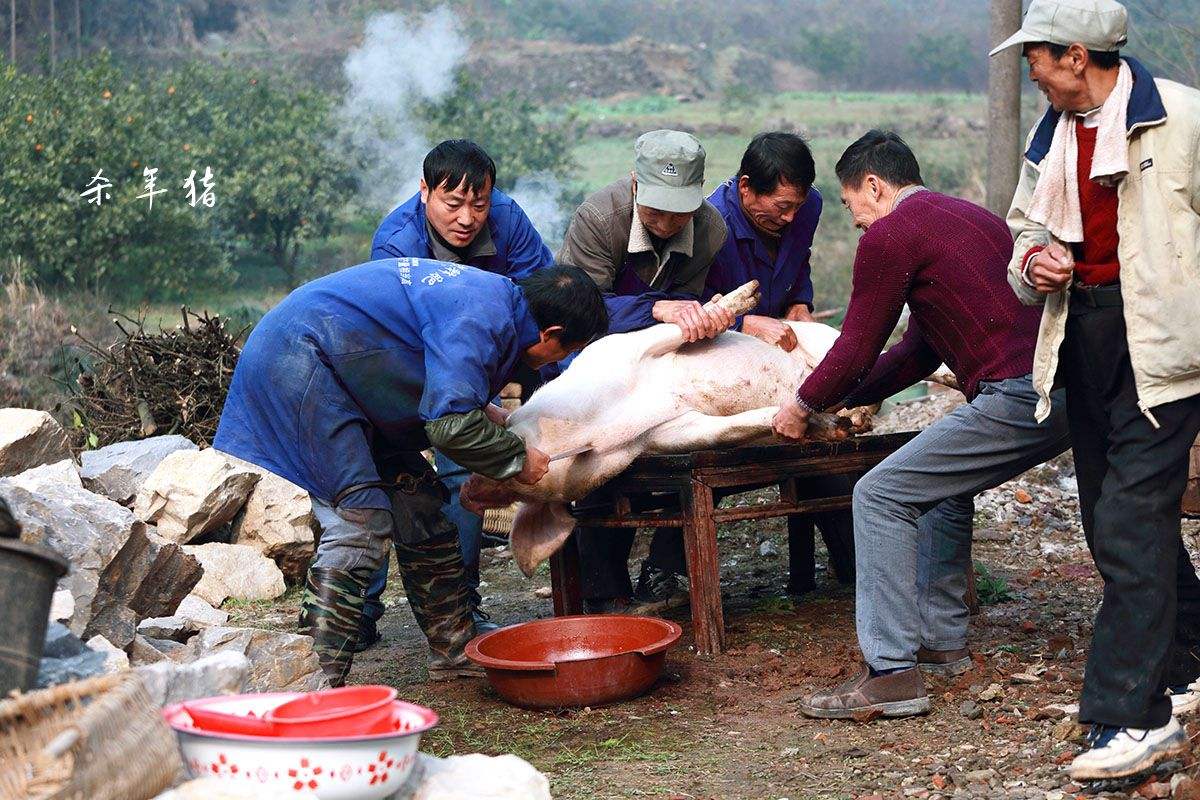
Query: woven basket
point(499, 520)
point(98, 739)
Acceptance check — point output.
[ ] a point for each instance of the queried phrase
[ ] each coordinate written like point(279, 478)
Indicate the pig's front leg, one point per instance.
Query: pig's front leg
point(479, 494)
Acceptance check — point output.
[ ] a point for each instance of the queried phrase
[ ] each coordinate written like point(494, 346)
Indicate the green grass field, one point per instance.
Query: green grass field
point(943, 129)
point(939, 127)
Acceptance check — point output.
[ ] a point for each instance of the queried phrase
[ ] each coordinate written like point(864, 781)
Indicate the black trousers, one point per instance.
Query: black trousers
point(604, 552)
point(1131, 478)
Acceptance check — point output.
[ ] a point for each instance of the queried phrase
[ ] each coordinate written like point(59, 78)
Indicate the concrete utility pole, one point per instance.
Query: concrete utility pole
point(1004, 109)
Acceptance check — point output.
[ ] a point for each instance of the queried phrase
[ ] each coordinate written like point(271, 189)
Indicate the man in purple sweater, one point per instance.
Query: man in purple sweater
point(947, 260)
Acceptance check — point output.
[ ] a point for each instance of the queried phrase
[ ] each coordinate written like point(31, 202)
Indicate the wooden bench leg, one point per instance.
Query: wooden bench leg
point(837, 529)
point(802, 554)
point(564, 579)
point(704, 568)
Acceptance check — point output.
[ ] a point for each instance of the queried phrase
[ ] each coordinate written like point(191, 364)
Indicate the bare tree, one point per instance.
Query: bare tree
point(12, 30)
point(78, 31)
point(1004, 109)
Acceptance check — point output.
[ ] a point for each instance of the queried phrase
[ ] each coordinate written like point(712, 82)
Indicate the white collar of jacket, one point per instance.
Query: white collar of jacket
point(1145, 109)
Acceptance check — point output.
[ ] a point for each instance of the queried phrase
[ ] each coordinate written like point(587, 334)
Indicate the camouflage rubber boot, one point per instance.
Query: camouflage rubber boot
point(432, 572)
point(331, 612)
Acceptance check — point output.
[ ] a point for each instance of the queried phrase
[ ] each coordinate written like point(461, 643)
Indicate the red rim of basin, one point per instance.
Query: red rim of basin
point(670, 633)
point(376, 697)
point(179, 720)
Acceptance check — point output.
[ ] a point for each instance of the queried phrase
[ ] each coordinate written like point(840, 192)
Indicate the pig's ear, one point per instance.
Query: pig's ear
point(539, 530)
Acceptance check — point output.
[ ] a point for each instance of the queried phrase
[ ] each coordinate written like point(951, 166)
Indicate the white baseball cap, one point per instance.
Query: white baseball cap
point(1100, 25)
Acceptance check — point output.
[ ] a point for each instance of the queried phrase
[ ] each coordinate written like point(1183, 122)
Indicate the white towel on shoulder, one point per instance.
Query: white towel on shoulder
point(1055, 202)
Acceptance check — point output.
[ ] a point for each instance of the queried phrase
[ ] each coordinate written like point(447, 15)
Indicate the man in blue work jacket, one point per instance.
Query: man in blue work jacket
point(458, 216)
point(343, 384)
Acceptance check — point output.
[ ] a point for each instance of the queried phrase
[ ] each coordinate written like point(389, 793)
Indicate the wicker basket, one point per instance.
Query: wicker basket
point(499, 521)
point(99, 739)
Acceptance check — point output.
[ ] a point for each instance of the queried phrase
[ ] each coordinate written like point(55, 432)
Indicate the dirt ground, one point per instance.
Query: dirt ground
point(728, 726)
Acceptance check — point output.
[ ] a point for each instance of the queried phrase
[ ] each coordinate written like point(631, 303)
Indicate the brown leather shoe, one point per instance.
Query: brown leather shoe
point(944, 662)
point(899, 694)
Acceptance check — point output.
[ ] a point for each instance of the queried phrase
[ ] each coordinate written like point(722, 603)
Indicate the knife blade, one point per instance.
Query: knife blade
point(574, 451)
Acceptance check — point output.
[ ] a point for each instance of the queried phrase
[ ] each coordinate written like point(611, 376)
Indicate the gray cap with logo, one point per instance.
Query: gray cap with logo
point(669, 166)
point(1100, 25)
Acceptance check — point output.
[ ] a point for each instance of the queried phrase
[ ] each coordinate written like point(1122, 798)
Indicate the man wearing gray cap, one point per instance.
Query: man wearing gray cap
point(1107, 226)
point(648, 241)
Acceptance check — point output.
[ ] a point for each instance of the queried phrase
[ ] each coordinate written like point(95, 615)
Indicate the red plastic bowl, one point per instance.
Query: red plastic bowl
point(347, 711)
point(575, 661)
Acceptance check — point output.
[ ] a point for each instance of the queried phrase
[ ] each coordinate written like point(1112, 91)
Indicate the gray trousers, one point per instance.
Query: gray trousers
point(352, 538)
point(913, 515)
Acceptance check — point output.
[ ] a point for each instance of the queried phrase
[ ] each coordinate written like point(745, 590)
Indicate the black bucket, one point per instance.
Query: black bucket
point(28, 575)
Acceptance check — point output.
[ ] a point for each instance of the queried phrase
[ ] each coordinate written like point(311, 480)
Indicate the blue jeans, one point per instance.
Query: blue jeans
point(913, 514)
point(470, 539)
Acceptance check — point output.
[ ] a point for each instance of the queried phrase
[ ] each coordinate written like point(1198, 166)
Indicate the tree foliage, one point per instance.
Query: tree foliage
point(508, 125)
point(275, 179)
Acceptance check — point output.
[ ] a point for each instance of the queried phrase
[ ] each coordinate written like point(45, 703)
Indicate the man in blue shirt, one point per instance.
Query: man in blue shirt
point(458, 216)
point(342, 385)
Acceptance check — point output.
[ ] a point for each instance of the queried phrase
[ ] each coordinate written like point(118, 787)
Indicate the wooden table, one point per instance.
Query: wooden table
point(678, 491)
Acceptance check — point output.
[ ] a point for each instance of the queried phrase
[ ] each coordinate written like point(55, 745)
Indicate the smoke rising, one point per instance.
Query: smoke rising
point(398, 66)
point(540, 195)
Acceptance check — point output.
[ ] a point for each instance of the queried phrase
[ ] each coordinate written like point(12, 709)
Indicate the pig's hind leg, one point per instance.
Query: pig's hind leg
point(696, 431)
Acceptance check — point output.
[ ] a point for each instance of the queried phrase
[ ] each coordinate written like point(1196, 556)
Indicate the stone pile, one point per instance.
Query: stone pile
point(160, 533)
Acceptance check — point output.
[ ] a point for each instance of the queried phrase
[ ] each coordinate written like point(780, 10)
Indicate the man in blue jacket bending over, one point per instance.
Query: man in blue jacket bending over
point(343, 384)
point(458, 216)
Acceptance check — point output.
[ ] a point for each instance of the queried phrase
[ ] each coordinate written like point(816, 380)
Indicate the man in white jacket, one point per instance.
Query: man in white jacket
point(1107, 226)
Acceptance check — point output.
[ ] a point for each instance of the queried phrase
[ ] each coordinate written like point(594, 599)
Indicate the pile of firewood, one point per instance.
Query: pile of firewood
point(153, 383)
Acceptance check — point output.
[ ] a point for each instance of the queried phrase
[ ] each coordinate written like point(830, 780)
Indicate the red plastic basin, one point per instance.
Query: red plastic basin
point(347, 711)
point(575, 661)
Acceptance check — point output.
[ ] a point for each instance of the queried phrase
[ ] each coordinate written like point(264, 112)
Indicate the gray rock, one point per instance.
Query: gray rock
point(62, 643)
point(28, 439)
point(219, 673)
point(89, 530)
point(280, 662)
point(192, 615)
point(142, 652)
point(200, 613)
point(62, 605)
point(149, 577)
point(191, 493)
point(992, 535)
point(175, 628)
point(980, 775)
point(57, 671)
point(970, 709)
point(172, 650)
point(237, 571)
point(115, 660)
point(119, 470)
point(506, 777)
point(278, 521)
point(220, 789)
point(63, 473)
point(768, 549)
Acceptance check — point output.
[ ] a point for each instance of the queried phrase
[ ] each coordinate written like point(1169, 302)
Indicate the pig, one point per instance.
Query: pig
point(647, 392)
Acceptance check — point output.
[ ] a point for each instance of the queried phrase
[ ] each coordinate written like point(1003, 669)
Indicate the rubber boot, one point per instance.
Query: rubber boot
point(433, 577)
point(331, 613)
